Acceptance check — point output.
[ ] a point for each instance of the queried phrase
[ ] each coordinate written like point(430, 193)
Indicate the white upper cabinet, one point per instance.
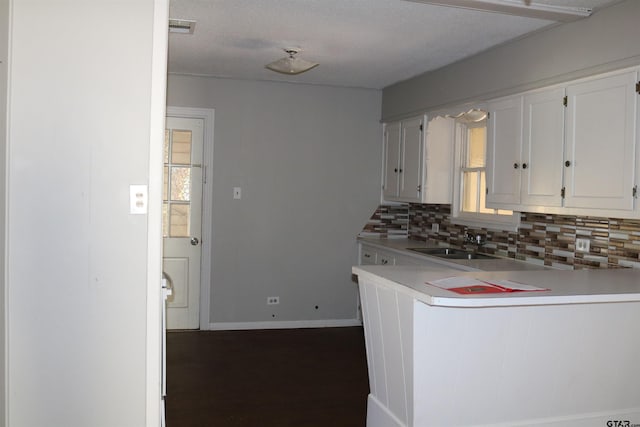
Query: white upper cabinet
point(504, 145)
point(403, 148)
point(566, 149)
point(525, 147)
point(417, 168)
point(542, 148)
point(411, 161)
point(391, 160)
point(438, 186)
point(600, 143)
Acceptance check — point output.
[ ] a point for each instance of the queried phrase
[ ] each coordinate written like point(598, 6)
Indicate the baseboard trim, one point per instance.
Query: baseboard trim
point(284, 324)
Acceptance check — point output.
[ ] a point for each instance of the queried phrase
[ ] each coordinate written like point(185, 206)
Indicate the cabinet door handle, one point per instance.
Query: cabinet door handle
point(400, 170)
point(567, 163)
point(515, 166)
point(524, 166)
point(396, 170)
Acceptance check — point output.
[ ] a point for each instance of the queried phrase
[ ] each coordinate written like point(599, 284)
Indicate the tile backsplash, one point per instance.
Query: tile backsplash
point(543, 239)
point(388, 221)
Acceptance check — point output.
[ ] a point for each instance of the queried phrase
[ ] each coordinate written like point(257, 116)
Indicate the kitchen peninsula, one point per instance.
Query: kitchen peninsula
point(564, 356)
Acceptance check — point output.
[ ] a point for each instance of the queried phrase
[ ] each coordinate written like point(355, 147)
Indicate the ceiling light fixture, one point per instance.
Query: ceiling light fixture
point(290, 64)
point(525, 8)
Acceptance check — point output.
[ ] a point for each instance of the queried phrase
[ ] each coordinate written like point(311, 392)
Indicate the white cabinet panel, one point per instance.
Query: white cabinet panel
point(440, 140)
point(543, 148)
point(410, 177)
point(373, 339)
point(600, 143)
point(367, 256)
point(504, 142)
point(385, 258)
point(392, 349)
point(391, 160)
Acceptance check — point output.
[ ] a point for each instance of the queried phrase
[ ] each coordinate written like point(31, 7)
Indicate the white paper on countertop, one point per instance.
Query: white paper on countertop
point(464, 281)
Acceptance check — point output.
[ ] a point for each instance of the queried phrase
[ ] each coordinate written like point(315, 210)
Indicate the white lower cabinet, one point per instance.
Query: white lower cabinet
point(385, 258)
point(368, 255)
point(372, 255)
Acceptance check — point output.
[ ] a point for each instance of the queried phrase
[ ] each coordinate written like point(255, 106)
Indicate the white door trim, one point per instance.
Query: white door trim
point(208, 115)
point(154, 405)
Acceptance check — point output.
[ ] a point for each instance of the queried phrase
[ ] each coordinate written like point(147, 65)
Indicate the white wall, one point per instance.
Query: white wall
point(308, 161)
point(4, 45)
point(606, 40)
point(80, 97)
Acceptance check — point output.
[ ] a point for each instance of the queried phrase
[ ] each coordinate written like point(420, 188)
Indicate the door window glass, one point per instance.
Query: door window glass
point(177, 183)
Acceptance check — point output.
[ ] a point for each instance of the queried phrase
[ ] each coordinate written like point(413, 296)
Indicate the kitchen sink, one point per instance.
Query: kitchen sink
point(451, 253)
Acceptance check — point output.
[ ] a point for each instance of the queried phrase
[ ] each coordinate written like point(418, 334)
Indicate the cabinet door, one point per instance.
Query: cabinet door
point(385, 258)
point(411, 161)
point(440, 140)
point(543, 148)
point(600, 143)
point(391, 160)
point(367, 255)
point(504, 143)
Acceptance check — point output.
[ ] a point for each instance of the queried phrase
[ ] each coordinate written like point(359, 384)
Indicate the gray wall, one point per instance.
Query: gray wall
point(308, 161)
point(606, 40)
point(78, 137)
point(4, 44)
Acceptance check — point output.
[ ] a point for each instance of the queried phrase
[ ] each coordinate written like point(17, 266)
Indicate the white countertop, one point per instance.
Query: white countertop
point(401, 245)
point(565, 287)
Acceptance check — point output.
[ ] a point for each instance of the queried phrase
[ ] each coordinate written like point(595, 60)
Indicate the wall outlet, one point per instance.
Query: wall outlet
point(583, 245)
point(138, 199)
point(273, 300)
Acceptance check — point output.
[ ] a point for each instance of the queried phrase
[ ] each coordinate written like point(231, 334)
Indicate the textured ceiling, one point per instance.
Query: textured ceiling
point(358, 43)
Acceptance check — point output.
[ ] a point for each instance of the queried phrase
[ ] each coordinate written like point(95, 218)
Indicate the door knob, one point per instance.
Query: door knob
point(195, 241)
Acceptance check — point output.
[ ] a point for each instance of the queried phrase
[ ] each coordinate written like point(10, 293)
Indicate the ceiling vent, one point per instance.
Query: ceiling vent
point(181, 26)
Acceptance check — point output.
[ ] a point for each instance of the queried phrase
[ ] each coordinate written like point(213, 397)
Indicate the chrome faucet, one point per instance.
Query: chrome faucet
point(476, 240)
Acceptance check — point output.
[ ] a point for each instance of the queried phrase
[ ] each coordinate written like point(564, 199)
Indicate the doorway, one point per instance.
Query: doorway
point(186, 213)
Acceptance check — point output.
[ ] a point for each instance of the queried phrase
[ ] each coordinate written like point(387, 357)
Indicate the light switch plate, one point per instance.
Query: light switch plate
point(138, 199)
point(237, 193)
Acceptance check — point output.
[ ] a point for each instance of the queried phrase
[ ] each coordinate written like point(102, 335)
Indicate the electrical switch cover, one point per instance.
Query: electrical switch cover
point(237, 193)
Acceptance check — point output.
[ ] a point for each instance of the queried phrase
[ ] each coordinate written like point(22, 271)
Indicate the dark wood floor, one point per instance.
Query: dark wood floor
point(267, 378)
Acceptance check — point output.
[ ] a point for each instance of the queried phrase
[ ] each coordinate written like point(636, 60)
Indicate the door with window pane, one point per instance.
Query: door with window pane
point(181, 217)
